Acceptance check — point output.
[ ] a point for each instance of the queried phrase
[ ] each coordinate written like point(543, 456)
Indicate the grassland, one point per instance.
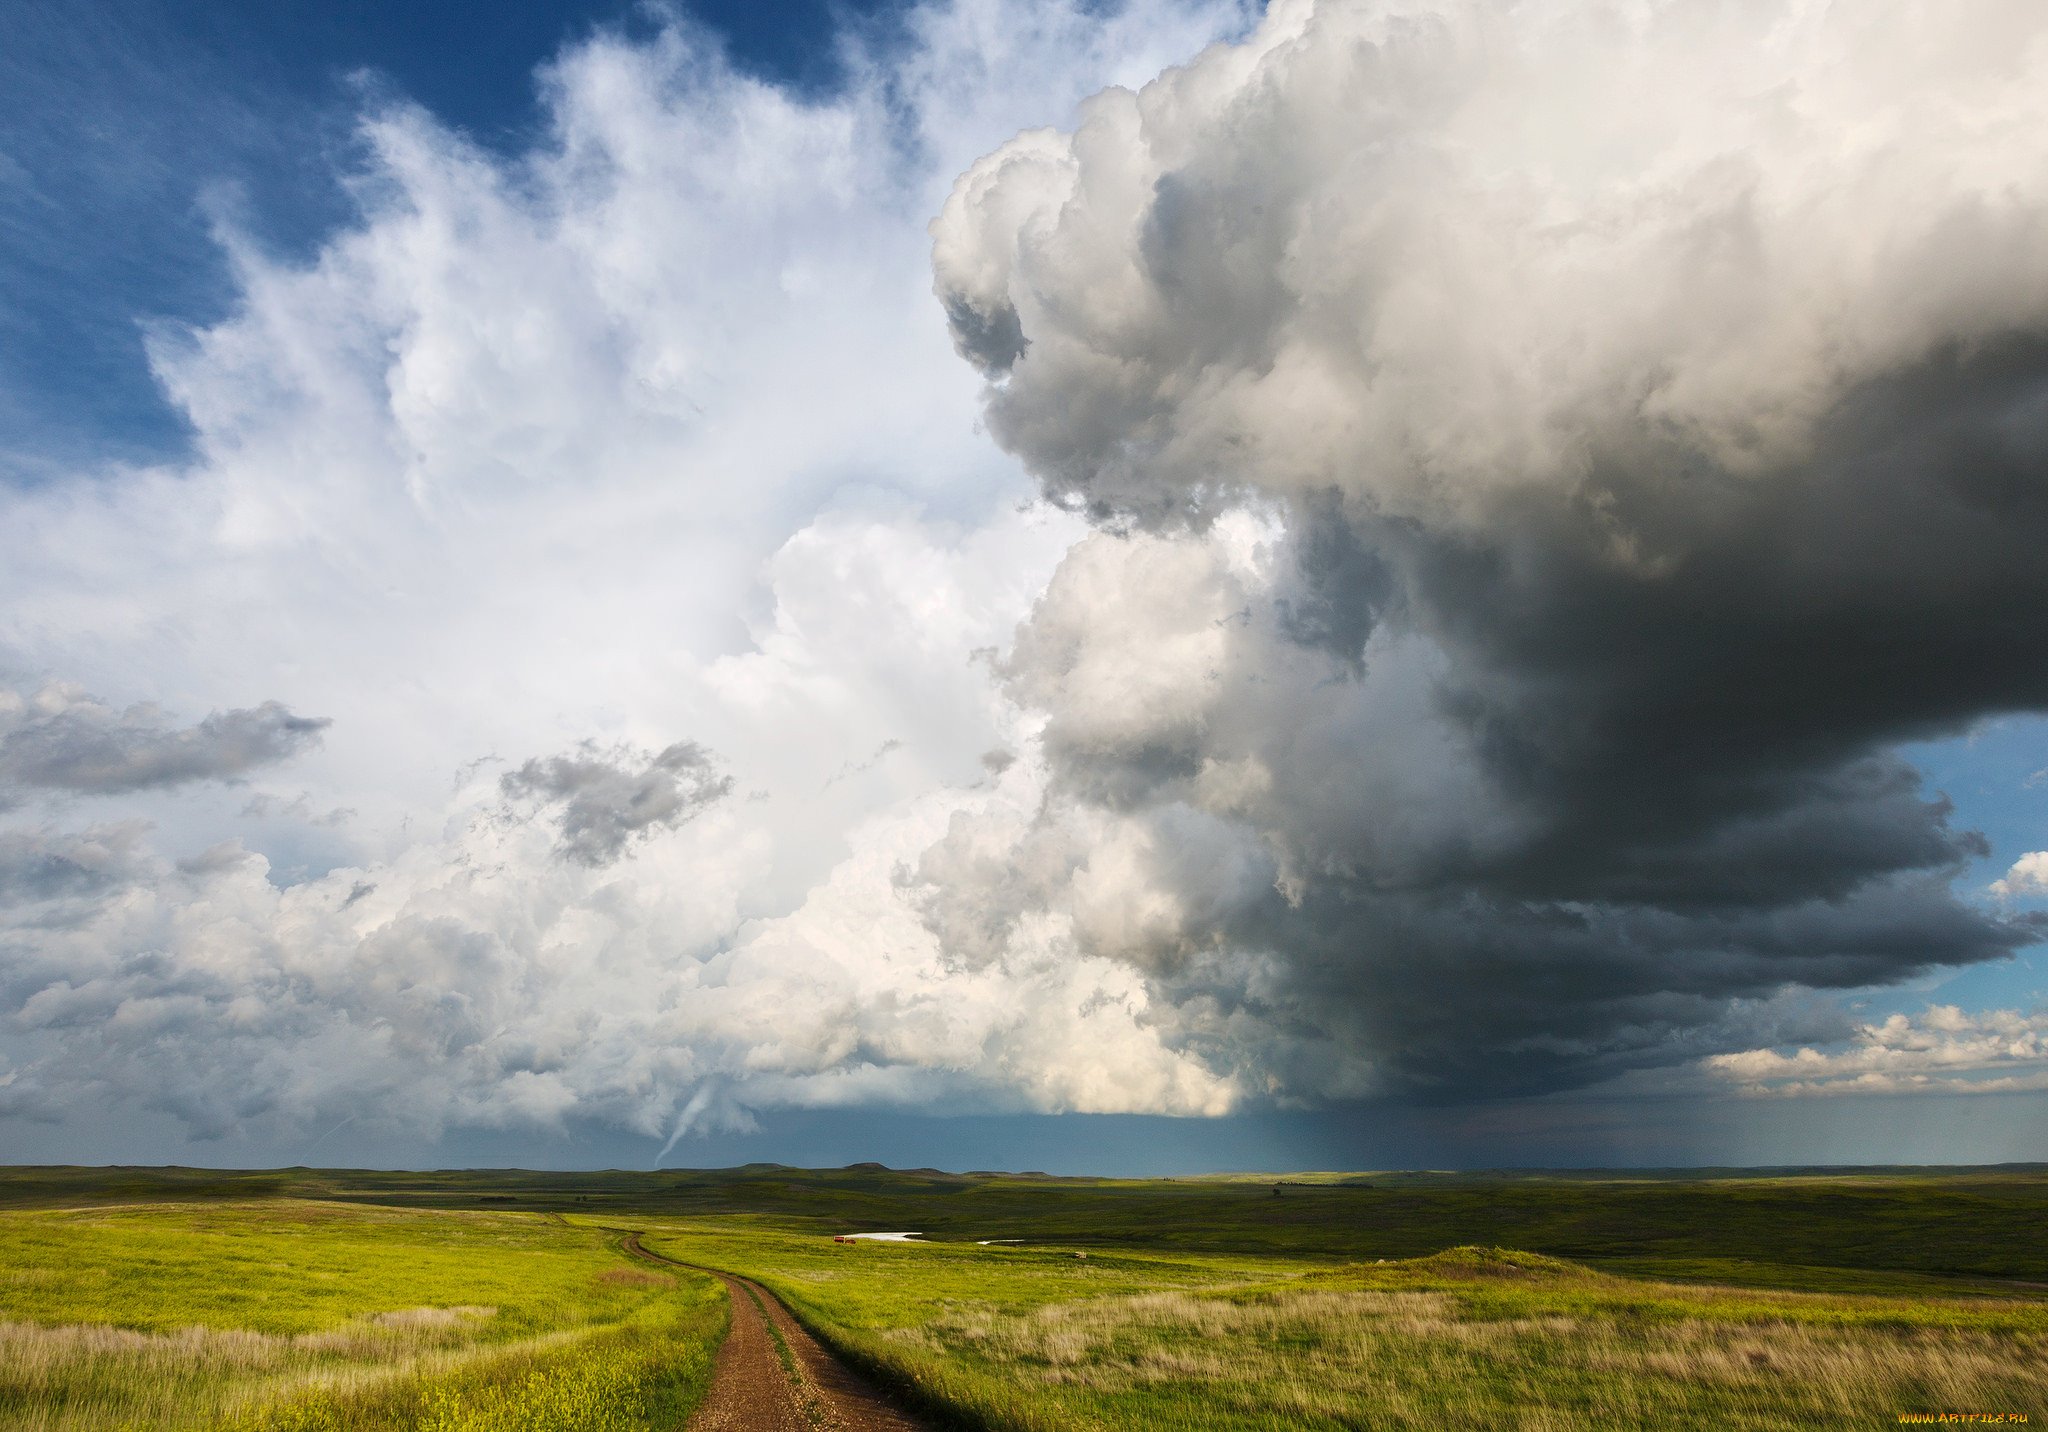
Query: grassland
point(294, 1314)
point(1036, 1339)
point(1794, 1299)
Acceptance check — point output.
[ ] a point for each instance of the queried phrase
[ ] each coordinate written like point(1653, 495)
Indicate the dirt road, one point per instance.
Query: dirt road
point(772, 1376)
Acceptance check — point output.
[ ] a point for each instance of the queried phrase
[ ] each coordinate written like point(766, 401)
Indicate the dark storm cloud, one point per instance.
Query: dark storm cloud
point(62, 740)
point(1527, 582)
point(1888, 588)
point(1450, 993)
point(603, 799)
point(991, 342)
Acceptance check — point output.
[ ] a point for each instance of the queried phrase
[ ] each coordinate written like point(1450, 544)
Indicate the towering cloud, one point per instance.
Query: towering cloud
point(1527, 469)
point(1548, 457)
point(553, 454)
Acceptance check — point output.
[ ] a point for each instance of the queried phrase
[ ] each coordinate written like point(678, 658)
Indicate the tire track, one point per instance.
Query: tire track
point(772, 1376)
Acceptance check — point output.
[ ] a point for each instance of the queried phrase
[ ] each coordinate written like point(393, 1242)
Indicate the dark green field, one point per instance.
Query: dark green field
point(1787, 1227)
point(1755, 1298)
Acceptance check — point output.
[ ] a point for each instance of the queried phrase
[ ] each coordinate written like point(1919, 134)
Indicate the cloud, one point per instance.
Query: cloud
point(1333, 216)
point(1547, 460)
point(1475, 678)
point(482, 980)
point(2028, 876)
point(59, 739)
point(602, 803)
point(38, 868)
point(1944, 1051)
point(647, 427)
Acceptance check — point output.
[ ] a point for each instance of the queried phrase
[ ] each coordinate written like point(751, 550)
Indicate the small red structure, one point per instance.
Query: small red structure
point(841, 1238)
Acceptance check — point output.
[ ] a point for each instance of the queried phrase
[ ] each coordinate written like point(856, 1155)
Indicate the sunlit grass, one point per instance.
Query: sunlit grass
point(308, 1316)
point(1372, 1358)
point(1038, 1339)
point(291, 1267)
point(647, 1373)
point(262, 1303)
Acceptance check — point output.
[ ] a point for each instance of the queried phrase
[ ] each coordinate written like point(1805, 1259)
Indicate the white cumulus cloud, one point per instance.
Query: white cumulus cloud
point(1945, 1050)
point(2028, 876)
point(618, 509)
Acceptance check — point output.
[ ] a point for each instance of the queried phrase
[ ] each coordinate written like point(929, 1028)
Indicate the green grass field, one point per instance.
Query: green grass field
point(302, 1314)
point(1038, 1338)
point(484, 1300)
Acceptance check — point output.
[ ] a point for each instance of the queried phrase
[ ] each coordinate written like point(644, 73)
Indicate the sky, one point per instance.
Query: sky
point(1107, 588)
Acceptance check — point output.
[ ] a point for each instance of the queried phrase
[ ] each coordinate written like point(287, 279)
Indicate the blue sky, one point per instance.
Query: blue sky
point(1994, 777)
point(133, 130)
point(602, 584)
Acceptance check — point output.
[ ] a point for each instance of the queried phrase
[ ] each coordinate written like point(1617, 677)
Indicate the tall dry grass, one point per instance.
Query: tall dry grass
point(69, 1378)
point(1352, 1359)
point(423, 1369)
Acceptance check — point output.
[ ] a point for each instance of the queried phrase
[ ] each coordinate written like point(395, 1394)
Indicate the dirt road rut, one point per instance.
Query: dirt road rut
point(756, 1388)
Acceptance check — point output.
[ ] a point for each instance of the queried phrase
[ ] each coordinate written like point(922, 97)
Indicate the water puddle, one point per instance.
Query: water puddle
point(877, 1237)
